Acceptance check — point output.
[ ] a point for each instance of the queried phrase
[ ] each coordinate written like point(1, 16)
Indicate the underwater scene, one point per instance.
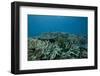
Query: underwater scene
point(52, 37)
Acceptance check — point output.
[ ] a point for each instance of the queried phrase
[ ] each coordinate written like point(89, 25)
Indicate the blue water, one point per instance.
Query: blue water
point(38, 24)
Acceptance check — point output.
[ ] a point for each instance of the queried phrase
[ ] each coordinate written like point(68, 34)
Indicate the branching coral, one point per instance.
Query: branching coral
point(58, 46)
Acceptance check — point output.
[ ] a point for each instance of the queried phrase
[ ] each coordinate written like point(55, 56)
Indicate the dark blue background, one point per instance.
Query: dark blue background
point(46, 23)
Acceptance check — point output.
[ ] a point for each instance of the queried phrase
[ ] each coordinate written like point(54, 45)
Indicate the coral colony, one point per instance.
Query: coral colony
point(57, 45)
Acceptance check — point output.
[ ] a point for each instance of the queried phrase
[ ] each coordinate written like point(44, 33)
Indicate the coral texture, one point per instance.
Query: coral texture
point(57, 45)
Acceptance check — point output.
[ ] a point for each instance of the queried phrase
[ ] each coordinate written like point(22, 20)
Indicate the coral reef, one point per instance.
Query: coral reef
point(57, 45)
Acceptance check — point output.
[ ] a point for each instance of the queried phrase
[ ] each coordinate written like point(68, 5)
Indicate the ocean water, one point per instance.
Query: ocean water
point(38, 24)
